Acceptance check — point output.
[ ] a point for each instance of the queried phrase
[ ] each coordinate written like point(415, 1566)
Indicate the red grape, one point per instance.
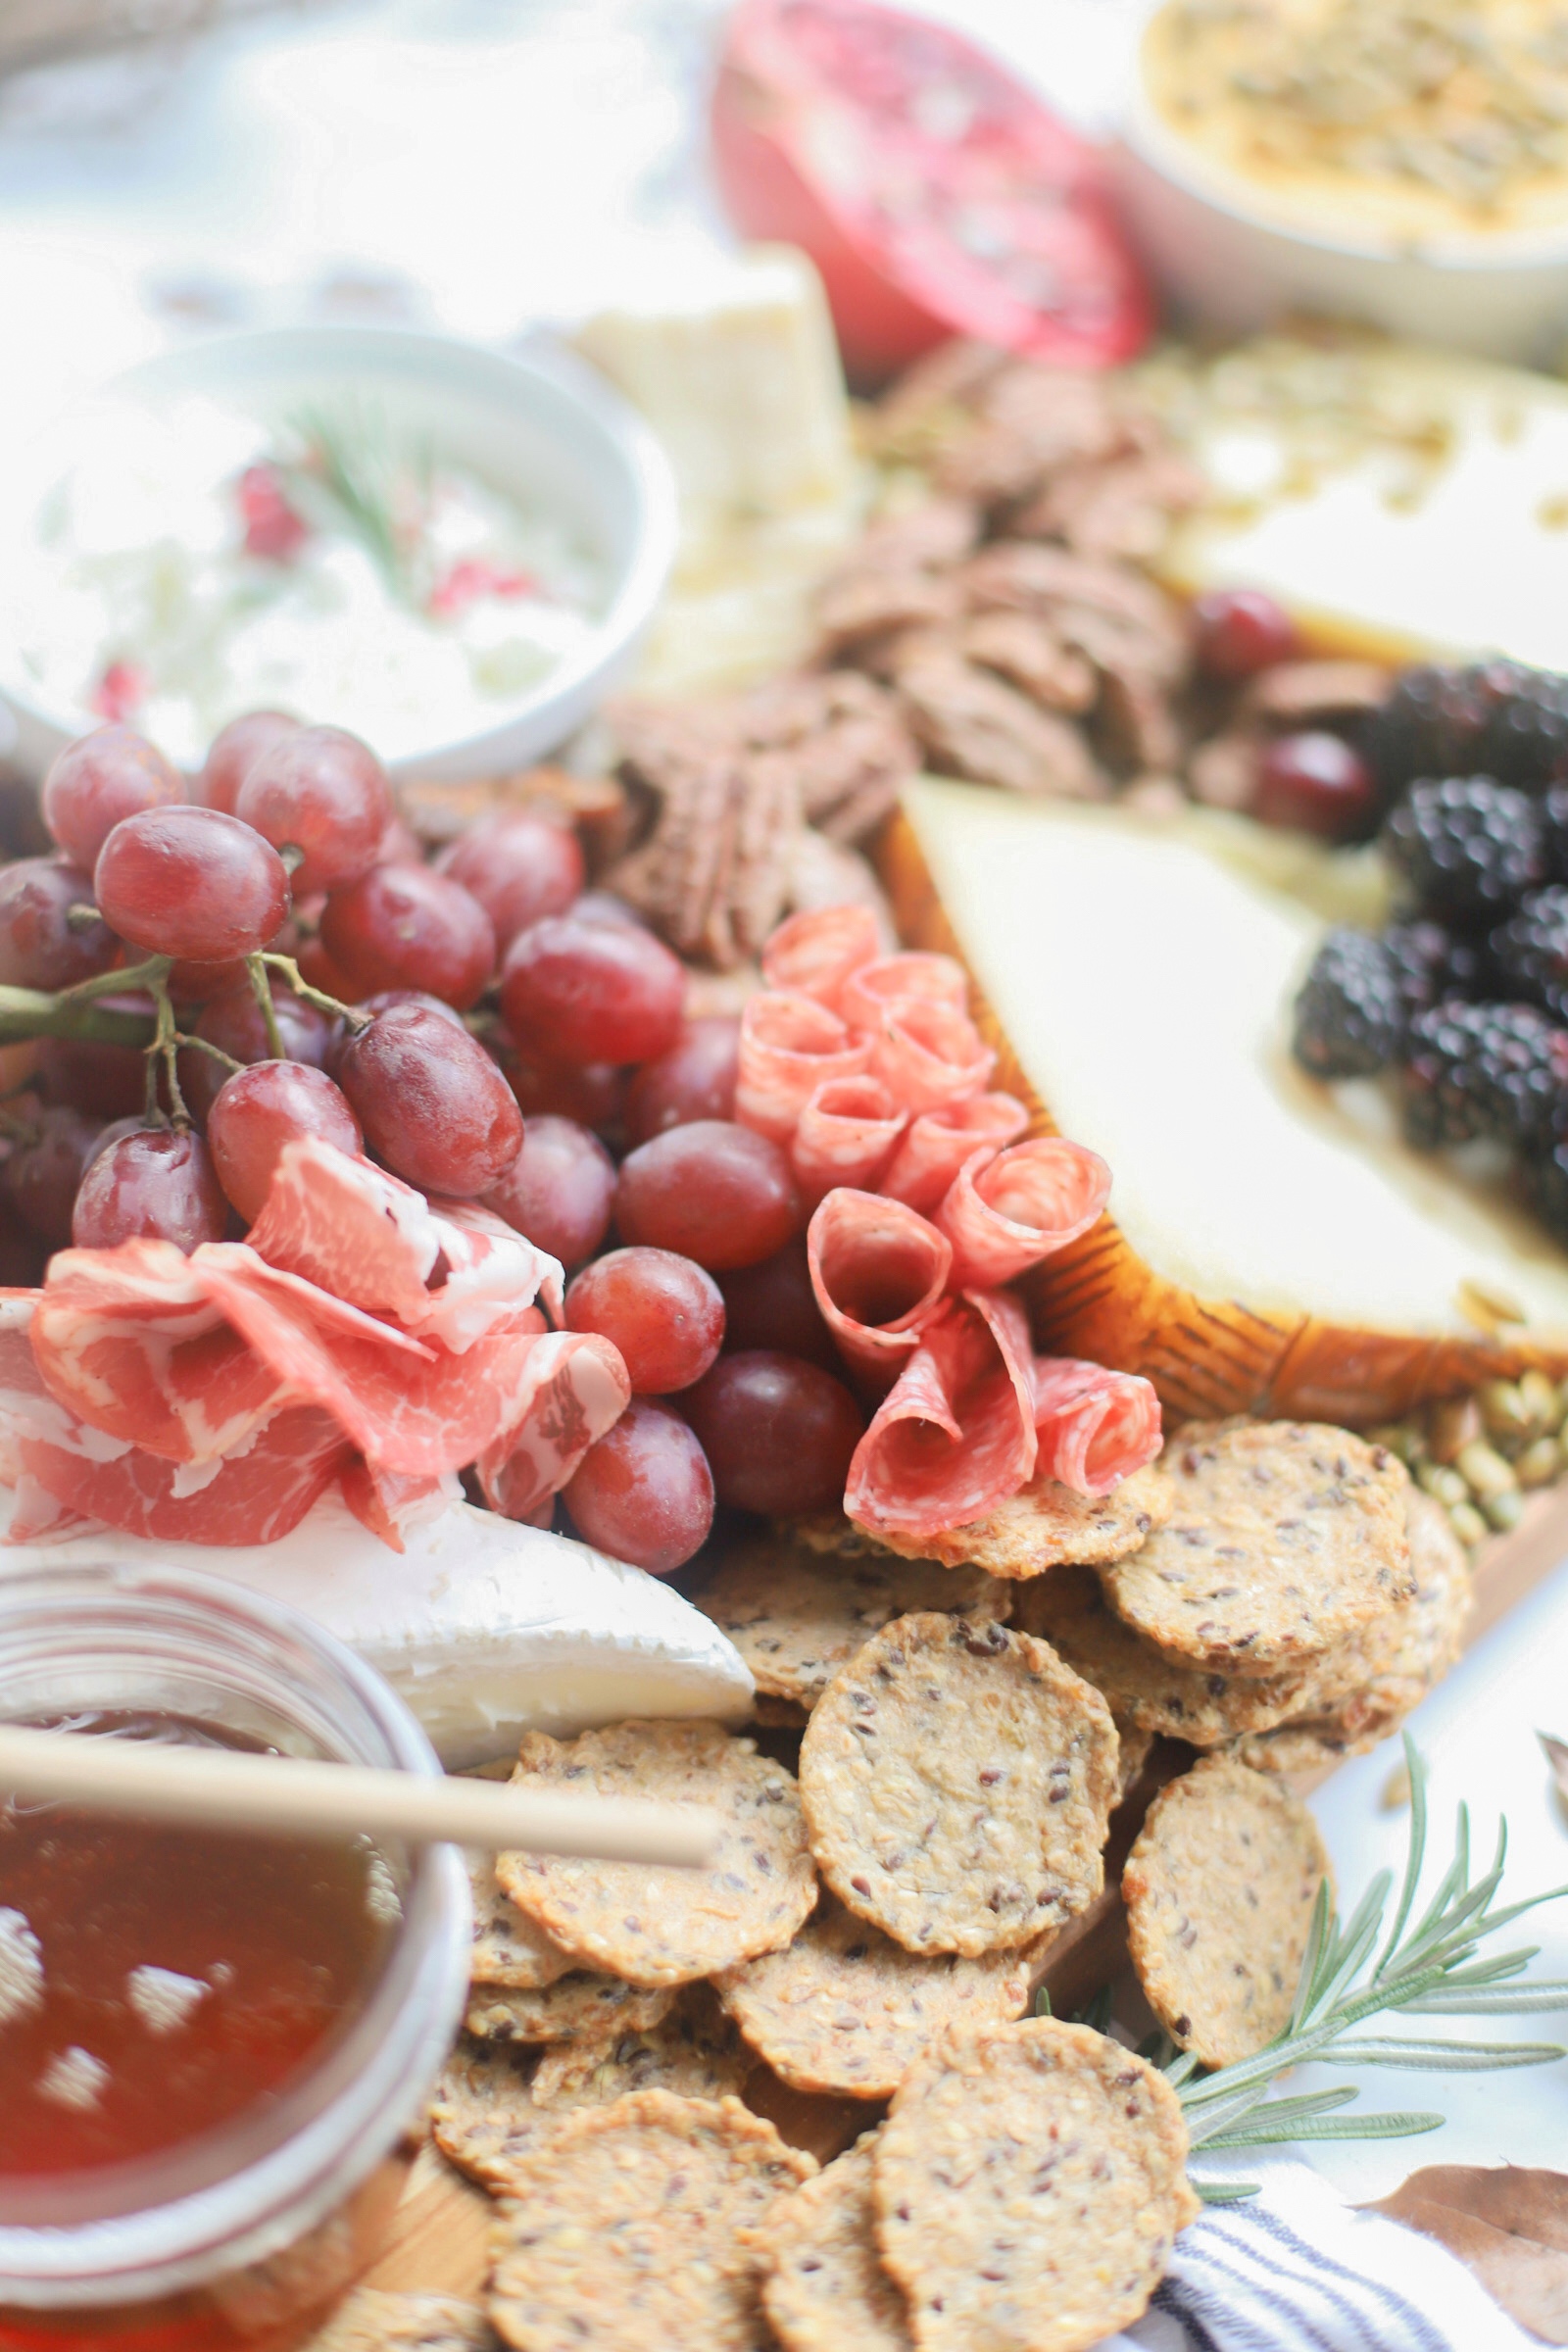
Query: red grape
point(1241, 631)
point(712, 1191)
point(773, 1305)
point(234, 752)
point(318, 971)
point(105, 776)
point(40, 947)
point(694, 1080)
point(234, 1023)
point(521, 867)
point(431, 1102)
point(593, 1096)
point(23, 1255)
point(153, 1184)
point(778, 1432)
point(1314, 780)
point(559, 1190)
point(45, 1168)
point(108, 1082)
point(402, 926)
point(191, 883)
point(603, 907)
point(580, 991)
point(400, 844)
point(262, 1108)
point(665, 1314)
point(325, 792)
point(644, 1493)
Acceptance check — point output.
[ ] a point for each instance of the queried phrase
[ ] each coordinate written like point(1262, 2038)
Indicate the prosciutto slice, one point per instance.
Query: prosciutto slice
point(1007, 1210)
point(935, 1145)
point(867, 993)
point(878, 1272)
point(579, 1391)
point(926, 1053)
point(389, 1503)
point(253, 1496)
point(789, 1046)
point(846, 1135)
point(956, 1436)
point(812, 955)
point(1093, 1426)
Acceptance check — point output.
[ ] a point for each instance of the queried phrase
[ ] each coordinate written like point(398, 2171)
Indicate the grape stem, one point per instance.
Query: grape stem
point(262, 989)
point(165, 1043)
point(27, 1012)
point(130, 976)
point(355, 1015)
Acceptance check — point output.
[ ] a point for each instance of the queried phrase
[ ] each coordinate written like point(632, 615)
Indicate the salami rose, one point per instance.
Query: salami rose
point(1093, 1426)
point(879, 1273)
point(954, 1437)
point(893, 980)
point(926, 1053)
point(846, 1135)
point(812, 955)
point(1007, 1210)
point(789, 1046)
point(936, 1144)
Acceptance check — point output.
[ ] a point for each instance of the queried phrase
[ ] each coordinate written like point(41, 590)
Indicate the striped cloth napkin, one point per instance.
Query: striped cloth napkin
point(1298, 2270)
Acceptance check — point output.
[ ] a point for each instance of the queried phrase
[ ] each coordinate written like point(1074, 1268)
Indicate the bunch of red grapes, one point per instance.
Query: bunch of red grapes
point(288, 844)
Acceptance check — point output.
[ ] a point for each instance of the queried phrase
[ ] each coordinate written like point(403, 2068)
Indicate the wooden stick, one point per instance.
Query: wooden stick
point(225, 1789)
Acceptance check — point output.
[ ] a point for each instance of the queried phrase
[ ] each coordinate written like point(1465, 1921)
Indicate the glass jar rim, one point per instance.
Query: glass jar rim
point(330, 2129)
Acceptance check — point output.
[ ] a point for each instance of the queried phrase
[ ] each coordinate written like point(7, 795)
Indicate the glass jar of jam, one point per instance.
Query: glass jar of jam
point(214, 2048)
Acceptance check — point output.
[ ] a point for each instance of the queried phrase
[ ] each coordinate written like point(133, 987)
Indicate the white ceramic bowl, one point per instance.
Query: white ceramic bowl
point(1222, 261)
point(541, 427)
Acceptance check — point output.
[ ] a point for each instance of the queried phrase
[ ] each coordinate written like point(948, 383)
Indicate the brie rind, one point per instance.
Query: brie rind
point(485, 1629)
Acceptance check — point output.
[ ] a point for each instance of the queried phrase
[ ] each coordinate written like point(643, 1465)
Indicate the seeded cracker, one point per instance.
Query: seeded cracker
point(580, 2002)
point(795, 1618)
point(1287, 1537)
point(1044, 1524)
point(1028, 2192)
point(627, 2228)
point(483, 2117)
point(1069, 1609)
point(846, 2010)
point(508, 1948)
point(825, 2289)
point(373, 2321)
point(1219, 1890)
point(957, 1782)
point(669, 1927)
point(696, 2051)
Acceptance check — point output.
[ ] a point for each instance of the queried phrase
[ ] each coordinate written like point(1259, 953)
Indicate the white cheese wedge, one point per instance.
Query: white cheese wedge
point(485, 1629)
point(1145, 985)
point(1408, 502)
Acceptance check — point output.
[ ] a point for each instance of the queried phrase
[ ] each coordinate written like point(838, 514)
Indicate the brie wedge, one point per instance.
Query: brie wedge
point(485, 1629)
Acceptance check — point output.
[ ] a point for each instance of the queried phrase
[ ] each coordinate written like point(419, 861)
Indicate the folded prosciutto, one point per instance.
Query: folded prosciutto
point(955, 1434)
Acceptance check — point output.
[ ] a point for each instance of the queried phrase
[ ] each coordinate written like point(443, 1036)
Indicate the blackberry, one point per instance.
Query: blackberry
point(1495, 716)
point(1532, 950)
point(1546, 1179)
point(1465, 851)
point(1495, 1071)
point(1431, 963)
point(1351, 1014)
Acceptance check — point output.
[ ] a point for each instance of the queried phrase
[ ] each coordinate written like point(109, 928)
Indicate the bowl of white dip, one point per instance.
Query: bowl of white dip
point(454, 553)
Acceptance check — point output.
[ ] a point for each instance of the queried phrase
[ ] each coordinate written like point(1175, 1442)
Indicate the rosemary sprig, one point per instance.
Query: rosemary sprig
point(351, 469)
point(1431, 1967)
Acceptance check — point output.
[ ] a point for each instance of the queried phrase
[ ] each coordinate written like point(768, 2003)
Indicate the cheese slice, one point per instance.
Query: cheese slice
point(485, 1629)
point(1273, 1239)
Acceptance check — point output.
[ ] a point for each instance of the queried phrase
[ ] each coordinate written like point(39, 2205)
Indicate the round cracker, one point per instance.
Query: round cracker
point(1028, 2192)
point(825, 2289)
point(958, 1782)
point(372, 2321)
point(483, 2116)
point(797, 1617)
point(1220, 1888)
point(668, 1927)
point(626, 2228)
point(1287, 1537)
point(1069, 1609)
point(846, 2010)
point(1045, 1524)
point(580, 2002)
point(508, 1947)
point(696, 2050)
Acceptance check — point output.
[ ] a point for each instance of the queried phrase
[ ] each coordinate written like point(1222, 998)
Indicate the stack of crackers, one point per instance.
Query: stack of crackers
point(878, 1921)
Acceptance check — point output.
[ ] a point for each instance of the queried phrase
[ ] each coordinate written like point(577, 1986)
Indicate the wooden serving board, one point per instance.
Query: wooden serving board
point(439, 2243)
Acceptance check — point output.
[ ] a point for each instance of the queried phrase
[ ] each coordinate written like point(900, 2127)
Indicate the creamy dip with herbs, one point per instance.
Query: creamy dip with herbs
point(1434, 119)
point(199, 563)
